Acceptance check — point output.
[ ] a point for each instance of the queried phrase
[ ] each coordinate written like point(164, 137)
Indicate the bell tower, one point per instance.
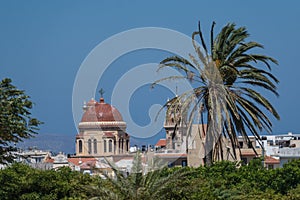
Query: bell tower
point(175, 126)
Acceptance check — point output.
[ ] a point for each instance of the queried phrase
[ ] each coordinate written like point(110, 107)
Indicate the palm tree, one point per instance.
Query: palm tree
point(227, 82)
point(137, 185)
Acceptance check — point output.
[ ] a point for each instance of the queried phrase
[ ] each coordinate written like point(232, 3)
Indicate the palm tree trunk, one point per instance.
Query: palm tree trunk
point(209, 142)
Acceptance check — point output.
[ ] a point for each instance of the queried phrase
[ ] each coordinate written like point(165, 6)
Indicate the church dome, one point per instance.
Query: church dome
point(100, 112)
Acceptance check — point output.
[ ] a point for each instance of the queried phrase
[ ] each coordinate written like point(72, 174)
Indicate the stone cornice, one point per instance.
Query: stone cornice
point(120, 124)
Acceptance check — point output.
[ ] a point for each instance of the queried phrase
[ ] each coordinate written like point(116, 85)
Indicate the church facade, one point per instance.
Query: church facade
point(102, 131)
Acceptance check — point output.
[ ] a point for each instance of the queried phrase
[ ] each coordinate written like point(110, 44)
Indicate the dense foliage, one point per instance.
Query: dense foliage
point(23, 182)
point(222, 180)
point(16, 122)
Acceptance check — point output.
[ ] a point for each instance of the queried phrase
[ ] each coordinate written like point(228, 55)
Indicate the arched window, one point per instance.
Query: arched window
point(95, 146)
point(89, 146)
point(104, 146)
point(80, 146)
point(110, 146)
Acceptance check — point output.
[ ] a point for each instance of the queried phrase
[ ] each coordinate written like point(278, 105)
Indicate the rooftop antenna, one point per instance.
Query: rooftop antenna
point(176, 91)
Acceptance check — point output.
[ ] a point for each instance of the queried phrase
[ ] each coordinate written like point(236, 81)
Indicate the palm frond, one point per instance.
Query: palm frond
point(227, 78)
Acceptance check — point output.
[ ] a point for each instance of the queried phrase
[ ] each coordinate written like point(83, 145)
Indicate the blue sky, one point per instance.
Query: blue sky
point(44, 43)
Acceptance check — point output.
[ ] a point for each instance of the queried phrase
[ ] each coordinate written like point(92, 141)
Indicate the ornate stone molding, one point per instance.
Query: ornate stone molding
point(120, 124)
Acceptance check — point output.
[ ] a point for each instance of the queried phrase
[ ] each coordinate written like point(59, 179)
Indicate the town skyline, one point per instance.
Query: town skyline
point(43, 46)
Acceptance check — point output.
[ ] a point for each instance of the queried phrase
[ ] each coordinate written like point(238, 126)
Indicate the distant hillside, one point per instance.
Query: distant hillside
point(52, 142)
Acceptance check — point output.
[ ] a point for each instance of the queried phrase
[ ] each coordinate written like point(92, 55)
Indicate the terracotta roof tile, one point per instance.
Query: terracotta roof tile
point(100, 111)
point(49, 160)
point(161, 143)
point(271, 160)
point(79, 161)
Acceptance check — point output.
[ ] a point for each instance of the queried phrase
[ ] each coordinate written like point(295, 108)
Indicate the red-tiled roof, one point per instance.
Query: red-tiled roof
point(271, 160)
point(161, 143)
point(76, 161)
point(49, 160)
point(100, 111)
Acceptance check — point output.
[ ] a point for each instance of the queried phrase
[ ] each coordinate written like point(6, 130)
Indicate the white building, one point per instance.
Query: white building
point(284, 147)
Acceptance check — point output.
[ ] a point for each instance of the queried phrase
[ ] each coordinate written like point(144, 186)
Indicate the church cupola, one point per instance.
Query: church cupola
point(102, 131)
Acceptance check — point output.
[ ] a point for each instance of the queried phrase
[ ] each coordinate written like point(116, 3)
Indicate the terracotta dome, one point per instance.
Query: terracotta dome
point(100, 112)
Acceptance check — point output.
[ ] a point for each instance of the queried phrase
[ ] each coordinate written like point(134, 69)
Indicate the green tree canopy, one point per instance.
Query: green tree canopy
point(222, 180)
point(16, 122)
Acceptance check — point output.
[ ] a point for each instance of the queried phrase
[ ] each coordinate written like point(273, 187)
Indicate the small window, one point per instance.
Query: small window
point(89, 146)
point(127, 145)
point(95, 146)
point(110, 146)
point(80, 146)
point(172, 120)
point(241, 144)
point(104, 146)
point(270, 142)
point(115, 146)
point(122, 145)
point(250, 145)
